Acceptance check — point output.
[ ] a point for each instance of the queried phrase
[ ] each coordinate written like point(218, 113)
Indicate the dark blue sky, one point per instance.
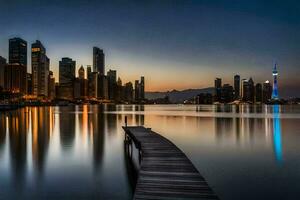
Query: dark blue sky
point(175, 44)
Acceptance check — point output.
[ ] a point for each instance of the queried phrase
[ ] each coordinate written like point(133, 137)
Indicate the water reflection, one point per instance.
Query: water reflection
point(17, 129)
point(42, 122)
point(78, 151)
point(98, 121)
point(67, 126)
point(277, 133)
point(55, 151)
point(2, 132)
point(246, 130)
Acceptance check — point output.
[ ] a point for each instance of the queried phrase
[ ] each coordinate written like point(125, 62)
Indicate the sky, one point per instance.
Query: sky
point(174, 44)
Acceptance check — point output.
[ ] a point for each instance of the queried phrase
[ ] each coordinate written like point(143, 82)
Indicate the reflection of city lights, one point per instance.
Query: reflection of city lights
point(277, 133)
point(84, 121)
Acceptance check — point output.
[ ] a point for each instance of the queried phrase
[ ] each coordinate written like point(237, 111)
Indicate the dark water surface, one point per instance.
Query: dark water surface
point(77, 152)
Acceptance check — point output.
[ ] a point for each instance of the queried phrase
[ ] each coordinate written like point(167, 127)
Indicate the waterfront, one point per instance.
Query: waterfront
point(244, 152)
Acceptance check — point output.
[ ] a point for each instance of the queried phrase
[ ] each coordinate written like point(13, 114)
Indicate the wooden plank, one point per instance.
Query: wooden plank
point(165, 171)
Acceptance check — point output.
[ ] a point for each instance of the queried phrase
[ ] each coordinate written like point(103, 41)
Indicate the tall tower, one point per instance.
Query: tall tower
point(16, 71)
point(275, 86)
point(142, 92)
point(40, 69)
point(66, 71)
point(218, 87)
point(98, 60)
point(237, 84)
point(18, 52)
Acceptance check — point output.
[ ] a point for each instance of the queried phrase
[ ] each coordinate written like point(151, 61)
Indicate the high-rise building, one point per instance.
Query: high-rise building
point(119, 90)
point(40, 69)
point(267, 92)
point(66, 71)
point(139, 90)
point(237, 86)
point(66, 78)
point(29, 83)
point(51, 89)
point(18, 51)
point(81, 73)
point(218, 87)
point(88, 70)
point(98, 61)
point(226, 93)
point(242, 88)
point(81, 84)
point(77, 89)
point(102, 86)
point(142, 88)
point(112, 84)
point(93, 84)
point(15, 78)
point(16, 70)
point(248, 90)
point(275, 86)
point(258, 92)
point(2, 68)
point(128, 92)
point(136, 90)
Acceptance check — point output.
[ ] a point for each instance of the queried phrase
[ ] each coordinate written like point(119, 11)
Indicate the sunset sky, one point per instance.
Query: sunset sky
point(174, 44)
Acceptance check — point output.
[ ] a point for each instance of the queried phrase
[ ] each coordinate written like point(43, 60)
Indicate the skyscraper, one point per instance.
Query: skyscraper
point(142, 88)
point(267, 91)
point(218, 87)
point(139, 90)
point(40, 69)
point(275, 86)
point(226, 93)
point(128, 92)
point(15, 78)
point(102, 86)
point(51, 88)
point(66, 71)
point(16, 71)
point(93, 84)
point(29, 84)
point(88, 70)
point(258, 92)
point(81, 72)
point(136, 90)
point(98, 61)
point(112, 83)
point(2, 67)
point(248, 90)
point(66, 78)
point(119, 90)
point(18, 51)
point(237, 86)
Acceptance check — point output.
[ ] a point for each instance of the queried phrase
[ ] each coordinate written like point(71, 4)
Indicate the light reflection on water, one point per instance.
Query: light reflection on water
point(277, 133)
point(77, 152)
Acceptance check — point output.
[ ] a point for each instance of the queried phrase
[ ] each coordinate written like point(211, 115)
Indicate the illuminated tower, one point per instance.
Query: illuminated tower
point(275, 86)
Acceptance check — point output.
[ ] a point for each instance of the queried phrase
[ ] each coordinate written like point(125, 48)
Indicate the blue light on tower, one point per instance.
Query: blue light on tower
point(275, 87)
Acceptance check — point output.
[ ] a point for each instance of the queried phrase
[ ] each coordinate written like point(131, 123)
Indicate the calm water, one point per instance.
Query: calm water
point(77, 152)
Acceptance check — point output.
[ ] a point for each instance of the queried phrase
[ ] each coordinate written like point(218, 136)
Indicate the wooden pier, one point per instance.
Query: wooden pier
point(165, 172)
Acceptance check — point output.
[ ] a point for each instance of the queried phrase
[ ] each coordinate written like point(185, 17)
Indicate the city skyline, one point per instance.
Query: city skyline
point(102, 71)
point(247, 41)
point(19, 86)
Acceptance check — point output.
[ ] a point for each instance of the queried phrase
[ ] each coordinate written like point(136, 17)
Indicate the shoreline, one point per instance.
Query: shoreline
point(10, 107)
